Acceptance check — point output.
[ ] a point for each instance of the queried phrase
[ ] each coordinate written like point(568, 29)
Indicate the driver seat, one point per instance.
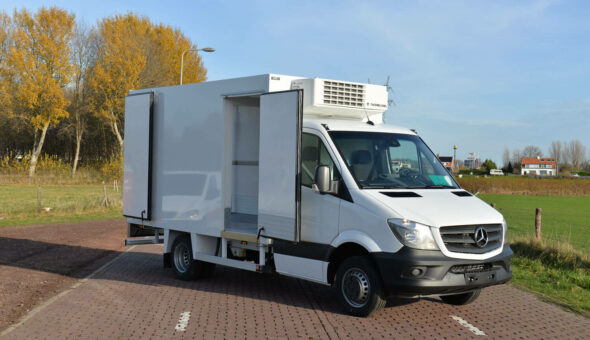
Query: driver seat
point(361, 164)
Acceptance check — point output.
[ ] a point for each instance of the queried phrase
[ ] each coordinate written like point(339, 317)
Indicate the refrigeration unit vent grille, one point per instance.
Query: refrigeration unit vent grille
point(341, 93)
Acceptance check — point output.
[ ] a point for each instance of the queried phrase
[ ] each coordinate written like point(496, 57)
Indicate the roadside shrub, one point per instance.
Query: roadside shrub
point(52, 165)
point(112, 169)
point(526, 185)
point(474, 171)
point(51, 169)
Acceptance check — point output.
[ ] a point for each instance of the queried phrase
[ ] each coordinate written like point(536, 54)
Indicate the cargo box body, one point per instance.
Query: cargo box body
point(204, 153)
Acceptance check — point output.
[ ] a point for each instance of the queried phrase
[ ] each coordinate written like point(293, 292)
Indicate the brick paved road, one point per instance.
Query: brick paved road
point(134, 297)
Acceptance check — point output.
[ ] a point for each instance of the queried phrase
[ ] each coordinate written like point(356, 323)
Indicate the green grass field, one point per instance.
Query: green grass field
point(559, 268)
point(564, 218)
point(68, 203)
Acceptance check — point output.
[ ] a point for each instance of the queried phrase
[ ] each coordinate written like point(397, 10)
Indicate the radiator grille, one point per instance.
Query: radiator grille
point(344, 94)
point(461, 239)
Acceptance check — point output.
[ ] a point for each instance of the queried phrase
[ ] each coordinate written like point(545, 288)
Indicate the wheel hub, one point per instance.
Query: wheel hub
point(182, 258)
point(356, 287)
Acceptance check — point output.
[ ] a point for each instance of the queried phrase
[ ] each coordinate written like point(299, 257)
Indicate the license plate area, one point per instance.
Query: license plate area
point(480, 278)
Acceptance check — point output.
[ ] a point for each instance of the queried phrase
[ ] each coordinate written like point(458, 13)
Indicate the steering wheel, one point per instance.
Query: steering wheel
point(405, 172)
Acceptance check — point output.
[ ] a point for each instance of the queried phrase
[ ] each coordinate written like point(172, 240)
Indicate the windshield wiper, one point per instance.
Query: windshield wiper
point(431, 187)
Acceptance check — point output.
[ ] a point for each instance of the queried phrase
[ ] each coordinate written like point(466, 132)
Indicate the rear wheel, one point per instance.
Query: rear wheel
point(359, 286)
point(461, 299)
point(183, 264)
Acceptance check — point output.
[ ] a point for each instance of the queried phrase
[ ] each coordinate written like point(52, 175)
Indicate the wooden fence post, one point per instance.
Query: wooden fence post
point(538, 235)
point(38, 199)
point(105, 200)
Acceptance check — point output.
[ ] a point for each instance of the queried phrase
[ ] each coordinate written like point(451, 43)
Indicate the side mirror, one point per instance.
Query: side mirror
point(322, 182)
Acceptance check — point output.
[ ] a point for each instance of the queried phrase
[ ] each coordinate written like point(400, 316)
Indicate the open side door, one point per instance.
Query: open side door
point(279, 188)
point(137, 156)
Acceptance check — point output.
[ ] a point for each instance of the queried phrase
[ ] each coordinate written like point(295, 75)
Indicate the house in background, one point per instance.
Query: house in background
point(538, 166)
point(447, 162)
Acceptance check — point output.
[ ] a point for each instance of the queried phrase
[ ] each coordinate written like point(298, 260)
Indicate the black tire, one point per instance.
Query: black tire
point(184, 266)
point(461, 299)
point(359, 287)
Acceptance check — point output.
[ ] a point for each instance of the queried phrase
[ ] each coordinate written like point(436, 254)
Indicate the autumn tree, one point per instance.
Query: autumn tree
point(164, 49)
point(119, 62)
point(133, 53)
point(38, 69)
point(4, 42)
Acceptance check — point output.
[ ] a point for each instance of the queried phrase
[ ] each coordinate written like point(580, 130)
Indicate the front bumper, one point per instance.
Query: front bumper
point(435, 277)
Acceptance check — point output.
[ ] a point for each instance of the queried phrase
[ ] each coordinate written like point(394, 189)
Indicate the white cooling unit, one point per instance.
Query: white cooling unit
point(326, 97)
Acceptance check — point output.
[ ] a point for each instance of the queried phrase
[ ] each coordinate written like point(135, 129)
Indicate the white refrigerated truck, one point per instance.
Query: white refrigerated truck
point(300, 176)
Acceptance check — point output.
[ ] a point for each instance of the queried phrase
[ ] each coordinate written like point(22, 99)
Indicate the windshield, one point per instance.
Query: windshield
point(391, 160)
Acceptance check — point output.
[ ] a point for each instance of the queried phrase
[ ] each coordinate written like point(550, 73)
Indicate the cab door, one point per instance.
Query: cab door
point(319, 213)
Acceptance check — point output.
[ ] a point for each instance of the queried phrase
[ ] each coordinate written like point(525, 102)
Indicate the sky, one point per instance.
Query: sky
point(482, 75)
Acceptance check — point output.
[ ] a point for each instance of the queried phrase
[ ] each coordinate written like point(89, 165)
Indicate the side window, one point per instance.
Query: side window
point(314, 153)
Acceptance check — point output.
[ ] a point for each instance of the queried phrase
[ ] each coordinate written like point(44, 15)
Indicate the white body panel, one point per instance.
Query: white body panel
point(312, 270)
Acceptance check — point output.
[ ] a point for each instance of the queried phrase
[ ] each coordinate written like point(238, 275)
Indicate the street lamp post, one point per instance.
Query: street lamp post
point(454, 157)
point(206, 49)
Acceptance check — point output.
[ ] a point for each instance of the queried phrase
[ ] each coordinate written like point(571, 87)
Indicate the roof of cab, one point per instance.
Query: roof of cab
point(353, 125)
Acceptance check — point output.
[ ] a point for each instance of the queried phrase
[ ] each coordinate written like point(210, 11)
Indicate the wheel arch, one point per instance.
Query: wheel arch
point(347, 244)
point(340, 254)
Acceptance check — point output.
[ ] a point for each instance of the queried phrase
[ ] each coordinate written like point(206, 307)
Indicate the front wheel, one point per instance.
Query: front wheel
point(461, 299)
point(359, 286)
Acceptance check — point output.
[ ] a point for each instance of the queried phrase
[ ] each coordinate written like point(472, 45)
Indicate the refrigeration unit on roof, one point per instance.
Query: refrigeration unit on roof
point(326, 97)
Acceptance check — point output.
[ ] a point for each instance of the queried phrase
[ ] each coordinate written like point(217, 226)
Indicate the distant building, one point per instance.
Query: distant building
point(447, 162)
point(472, 163)
point(538, 166)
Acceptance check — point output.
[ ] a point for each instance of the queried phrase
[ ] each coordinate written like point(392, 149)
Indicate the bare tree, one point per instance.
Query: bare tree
point(565, 157)
point(576, 153)
point(532, 151)
point(555, 151)
point(82, 55)
point(506, 157)
point(516, 159)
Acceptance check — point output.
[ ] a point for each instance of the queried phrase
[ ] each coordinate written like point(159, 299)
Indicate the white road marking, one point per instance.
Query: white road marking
point(183, 321)
point(467, 325)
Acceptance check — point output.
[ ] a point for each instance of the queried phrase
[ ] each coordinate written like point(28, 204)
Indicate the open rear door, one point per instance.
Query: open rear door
point(137, 156)
point(279, 190)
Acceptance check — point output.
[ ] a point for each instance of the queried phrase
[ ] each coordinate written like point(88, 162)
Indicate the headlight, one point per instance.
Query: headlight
point(412, 234)
point(505, 230)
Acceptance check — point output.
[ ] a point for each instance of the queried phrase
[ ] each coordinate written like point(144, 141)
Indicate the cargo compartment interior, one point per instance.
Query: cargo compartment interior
point(244, 125)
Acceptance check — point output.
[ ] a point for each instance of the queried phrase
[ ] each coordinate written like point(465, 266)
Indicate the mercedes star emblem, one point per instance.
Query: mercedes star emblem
point(480, 237)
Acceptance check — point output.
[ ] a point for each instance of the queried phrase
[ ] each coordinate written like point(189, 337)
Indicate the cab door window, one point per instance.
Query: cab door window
point(314, 153)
